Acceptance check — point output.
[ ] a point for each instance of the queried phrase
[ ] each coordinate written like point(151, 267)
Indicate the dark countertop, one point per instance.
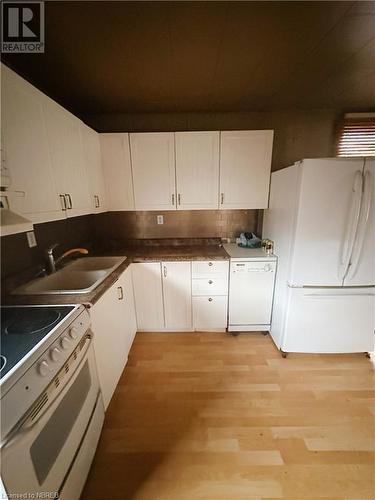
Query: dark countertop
point(134, 254)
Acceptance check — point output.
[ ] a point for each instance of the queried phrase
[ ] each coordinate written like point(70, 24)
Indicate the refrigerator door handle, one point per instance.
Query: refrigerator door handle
point(351, 230)
point(364, 216)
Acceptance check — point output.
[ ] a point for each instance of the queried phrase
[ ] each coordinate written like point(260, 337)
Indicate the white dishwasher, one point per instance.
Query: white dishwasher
point(251, 286)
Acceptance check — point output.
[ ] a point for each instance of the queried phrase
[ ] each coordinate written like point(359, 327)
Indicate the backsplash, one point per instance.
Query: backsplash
point(16, 256)
point(122, 226)
point(103, 230)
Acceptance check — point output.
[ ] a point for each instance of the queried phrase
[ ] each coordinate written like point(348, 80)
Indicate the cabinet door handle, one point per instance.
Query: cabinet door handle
point(222, 198)
point(96, 198)
point(63, 202)
point(210, 282)
point(165, 271)
point(179, 199)
point(98, 201)
point(210, 264)
point(210, 299)
point(68, 201)
point(173, 199)
point(120, 293)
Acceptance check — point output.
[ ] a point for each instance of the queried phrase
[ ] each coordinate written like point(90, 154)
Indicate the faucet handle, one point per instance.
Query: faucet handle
point(51, 248)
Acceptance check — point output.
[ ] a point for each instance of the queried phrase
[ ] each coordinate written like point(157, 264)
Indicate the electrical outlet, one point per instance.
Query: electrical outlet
point(31, 240)
point(160, 219)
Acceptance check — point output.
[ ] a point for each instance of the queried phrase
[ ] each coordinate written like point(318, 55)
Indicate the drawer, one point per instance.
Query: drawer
point(210, 286)
point(207, 268)
point(209, 313)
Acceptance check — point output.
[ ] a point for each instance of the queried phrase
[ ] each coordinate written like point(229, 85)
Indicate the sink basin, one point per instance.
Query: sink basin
point(80, 276)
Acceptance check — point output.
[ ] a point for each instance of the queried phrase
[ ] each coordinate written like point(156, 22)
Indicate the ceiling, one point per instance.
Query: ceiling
point(132, 57)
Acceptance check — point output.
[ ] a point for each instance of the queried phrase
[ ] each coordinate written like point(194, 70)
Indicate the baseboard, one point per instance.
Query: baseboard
point(249, 328)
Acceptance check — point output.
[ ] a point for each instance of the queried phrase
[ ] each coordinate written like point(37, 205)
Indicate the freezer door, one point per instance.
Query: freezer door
point(362, 263)
point(328, 211)
point(329, 320)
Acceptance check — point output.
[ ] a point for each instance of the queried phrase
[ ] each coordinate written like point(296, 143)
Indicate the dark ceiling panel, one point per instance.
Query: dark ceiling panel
point(144, 57)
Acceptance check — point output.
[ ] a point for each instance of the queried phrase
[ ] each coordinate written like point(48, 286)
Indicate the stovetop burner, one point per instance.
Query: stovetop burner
point(35, 321)
point(23, 327)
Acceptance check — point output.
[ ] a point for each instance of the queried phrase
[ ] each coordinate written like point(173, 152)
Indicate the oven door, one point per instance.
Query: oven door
point(38, 455)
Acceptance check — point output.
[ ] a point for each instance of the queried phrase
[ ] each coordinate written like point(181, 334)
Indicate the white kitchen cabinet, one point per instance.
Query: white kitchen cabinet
point(148, 295)
point(94, 172)
point(197, 170)
point(153, 167)
point(210, 295)
point(245, 166)
point(210, 312)
point(126, 282)
point(177, 295)
point(115, 151)
point(26, 151)
point(68, 160)
point(114, 326)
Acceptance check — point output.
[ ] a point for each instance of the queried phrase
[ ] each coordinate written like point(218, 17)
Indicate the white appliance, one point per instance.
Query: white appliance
point(251, 284)
point(322, 219)
point(51, 405)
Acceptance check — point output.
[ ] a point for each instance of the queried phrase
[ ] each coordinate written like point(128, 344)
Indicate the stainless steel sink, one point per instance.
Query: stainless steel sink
point(80, 276)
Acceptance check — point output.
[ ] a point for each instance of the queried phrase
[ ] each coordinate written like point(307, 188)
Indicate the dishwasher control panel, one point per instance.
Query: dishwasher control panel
point(253, 267)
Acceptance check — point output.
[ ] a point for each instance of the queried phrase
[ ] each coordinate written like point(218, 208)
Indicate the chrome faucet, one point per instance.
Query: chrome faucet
point(52, 262)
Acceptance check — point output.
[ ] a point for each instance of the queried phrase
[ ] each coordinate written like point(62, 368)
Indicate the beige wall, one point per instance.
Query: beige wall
point(298, 134)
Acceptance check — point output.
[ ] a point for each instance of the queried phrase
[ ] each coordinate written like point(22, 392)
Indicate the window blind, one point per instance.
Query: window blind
point(357, 135)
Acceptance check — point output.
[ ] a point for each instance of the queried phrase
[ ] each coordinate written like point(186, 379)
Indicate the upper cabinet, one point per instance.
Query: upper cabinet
point(115, 151)
point(197, 170)
point(153, 165)
point(91, 147)
point(68, 159)
point(26, 151)
point(53, 159)
point(245, 166)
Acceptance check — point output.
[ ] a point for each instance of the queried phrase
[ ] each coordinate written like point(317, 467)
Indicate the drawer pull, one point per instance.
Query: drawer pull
point(210, 264)
point(210, 282)
point(210, 299)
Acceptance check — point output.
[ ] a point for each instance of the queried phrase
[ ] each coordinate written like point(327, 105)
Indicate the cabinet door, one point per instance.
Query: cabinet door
point(116, 164)
point(197, 170)
point(245, 166)
point(91, 146)
point(68, 161)
point(177, 295)
point(130, 319)
point(25, 151)
point(148, 295)
point(210, 313)
point(108, 322)
point(153, 167)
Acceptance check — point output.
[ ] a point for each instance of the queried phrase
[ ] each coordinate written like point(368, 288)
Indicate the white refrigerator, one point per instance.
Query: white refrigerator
point(321, 217)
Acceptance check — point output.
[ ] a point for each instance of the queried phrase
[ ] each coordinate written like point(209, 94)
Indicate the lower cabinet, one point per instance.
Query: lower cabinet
point(114, 325)
point(181, 296)
point(210, 313)
point(177, 295)
point(148, 294)
point(210, 295)
point(163, 295)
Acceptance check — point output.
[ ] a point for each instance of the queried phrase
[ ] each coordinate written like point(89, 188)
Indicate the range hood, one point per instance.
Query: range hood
point(11, 222)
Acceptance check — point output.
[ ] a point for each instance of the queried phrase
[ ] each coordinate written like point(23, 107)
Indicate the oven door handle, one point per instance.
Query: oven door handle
point(26, 426)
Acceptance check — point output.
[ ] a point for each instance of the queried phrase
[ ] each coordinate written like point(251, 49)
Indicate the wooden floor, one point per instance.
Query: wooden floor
point(211, 416)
